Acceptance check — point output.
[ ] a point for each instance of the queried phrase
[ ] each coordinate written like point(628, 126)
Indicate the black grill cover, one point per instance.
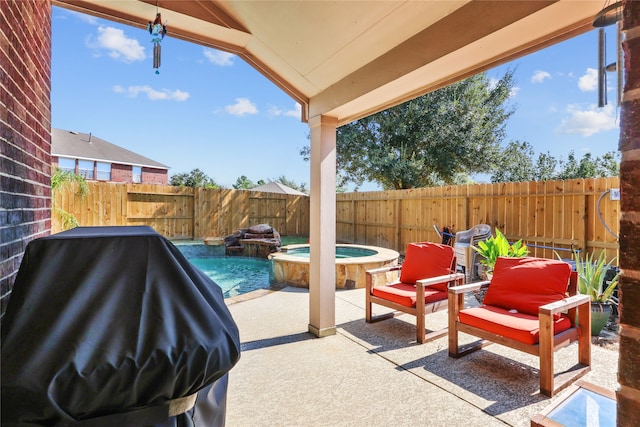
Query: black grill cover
point(113, 320)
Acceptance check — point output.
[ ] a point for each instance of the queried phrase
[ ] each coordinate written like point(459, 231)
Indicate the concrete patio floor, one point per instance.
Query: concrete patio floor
point(376, 374)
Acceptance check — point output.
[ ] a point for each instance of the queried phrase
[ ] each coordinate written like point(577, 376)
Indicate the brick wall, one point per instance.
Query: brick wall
point(25, 132)
point(155, 176)
point(628, 395)
point(121, 173)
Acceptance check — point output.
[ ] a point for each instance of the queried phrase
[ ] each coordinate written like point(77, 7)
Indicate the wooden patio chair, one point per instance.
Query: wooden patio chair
point(421, 288)
point(530, 305)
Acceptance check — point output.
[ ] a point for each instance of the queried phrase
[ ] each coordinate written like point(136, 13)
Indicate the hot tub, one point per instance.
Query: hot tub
point(291, 266)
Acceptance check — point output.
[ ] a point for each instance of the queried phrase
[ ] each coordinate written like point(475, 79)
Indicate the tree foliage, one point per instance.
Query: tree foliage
point(66, 179)
point(516, 163)
point(428, 140)
point(195, 178)
point(243, 183)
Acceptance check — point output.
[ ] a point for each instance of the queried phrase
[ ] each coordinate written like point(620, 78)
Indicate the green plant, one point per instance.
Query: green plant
point(496, 246)
point(59, 180)
point(591, 278)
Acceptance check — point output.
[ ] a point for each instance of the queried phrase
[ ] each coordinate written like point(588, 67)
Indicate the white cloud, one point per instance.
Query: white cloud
point(589, 81)
point(118, 45)
point(217, 57)
point(242, 107)
point(152, 94)
point(295, 112)
point(539, 76)
point(589, 121)
point(514, 92)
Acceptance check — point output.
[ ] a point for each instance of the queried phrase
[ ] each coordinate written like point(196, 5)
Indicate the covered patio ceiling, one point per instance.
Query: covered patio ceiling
point(344, 60)
point(349, 59)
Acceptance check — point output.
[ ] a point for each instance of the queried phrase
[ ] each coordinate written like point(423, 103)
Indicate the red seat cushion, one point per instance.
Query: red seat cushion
point(518, 326)
point(405, 294)
point(425, 260)
point(524, 284)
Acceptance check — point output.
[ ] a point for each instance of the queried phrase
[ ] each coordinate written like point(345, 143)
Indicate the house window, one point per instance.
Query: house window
point(67, 165)
point(136, 174)
point(103, 170)
point(85, 169)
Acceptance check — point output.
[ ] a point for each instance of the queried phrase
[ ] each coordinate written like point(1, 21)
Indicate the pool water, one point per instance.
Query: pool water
point(236, 275)
point(341, 252)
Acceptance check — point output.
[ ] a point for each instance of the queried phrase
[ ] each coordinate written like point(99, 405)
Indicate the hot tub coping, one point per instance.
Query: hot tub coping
point(382, 255)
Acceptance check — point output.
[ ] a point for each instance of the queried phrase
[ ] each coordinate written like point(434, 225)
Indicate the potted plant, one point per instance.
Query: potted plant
point(496, 246)
point(489, 251)
point(591, 281)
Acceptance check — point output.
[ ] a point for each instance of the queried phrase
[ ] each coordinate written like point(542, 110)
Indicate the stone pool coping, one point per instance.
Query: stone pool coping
point(383, 255)
point(350, 271)
point(254, 294)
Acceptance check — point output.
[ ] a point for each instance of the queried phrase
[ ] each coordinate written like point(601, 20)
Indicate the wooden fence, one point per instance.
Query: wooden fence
point(547, 215)
point(551, 215)
point(183, 212)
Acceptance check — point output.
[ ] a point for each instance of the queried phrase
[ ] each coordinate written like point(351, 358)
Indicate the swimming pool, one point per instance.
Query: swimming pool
point(236, 275)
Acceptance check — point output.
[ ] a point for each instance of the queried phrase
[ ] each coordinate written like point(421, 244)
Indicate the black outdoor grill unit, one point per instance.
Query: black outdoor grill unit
point(113, 326)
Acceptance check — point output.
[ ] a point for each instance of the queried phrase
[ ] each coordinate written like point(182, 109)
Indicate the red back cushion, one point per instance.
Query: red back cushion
point(424, 260)
point(524, 284)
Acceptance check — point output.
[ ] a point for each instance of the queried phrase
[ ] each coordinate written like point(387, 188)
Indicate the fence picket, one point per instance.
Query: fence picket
point(553, 214)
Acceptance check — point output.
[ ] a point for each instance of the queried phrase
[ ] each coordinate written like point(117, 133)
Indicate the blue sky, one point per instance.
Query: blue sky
point(210, 110)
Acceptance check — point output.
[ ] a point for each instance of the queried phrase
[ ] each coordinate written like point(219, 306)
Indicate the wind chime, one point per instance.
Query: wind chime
point(610, 15)
point(157, 29)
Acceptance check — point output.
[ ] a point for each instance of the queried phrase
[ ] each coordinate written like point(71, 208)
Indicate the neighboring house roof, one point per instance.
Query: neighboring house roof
point(276, 187)
point(86, 146)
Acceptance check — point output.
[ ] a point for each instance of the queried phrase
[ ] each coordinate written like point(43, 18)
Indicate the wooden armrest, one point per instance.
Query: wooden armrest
point(384, 269)
point(469, 287)
point(562, 305)
point(440, 279)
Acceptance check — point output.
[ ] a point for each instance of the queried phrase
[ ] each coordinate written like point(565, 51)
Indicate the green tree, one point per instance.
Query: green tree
point(515, 163)
point(609, 164)
point(546, 166)
point(589, 167)
point(243, 183)
point(428, 140)
point(195, 178)
point(65, 179)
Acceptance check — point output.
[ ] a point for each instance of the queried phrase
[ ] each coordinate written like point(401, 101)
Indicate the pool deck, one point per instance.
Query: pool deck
point(376, 374)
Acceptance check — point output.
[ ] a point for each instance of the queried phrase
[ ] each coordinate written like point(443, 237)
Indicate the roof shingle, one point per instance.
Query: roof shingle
point(86, 146)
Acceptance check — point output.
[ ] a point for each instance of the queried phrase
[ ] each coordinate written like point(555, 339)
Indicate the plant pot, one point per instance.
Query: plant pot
point(479, 294)
point(600, 314)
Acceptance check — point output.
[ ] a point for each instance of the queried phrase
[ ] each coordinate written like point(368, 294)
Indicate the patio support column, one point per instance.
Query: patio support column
point(628, 395)
point(322, 233)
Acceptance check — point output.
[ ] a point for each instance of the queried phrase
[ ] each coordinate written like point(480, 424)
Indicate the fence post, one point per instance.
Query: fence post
point(398, 225)
point(194, 223)
point(582, 229)
point(354, 207)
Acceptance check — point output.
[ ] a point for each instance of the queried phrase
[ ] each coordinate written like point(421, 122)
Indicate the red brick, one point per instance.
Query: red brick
point(25, 70)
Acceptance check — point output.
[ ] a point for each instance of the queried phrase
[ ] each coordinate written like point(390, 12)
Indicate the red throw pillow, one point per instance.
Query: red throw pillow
point(425, 260)
point(524, 284)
